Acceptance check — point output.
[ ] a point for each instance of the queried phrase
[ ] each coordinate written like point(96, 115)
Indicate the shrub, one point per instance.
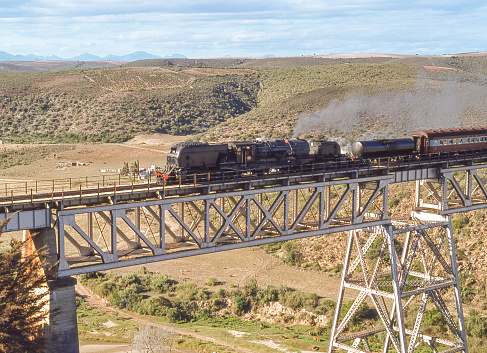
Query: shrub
point(161, 283)
point(250, 289)
point(105, 289)
point(317, 247)
point(128, 298)
point(296, 300)
point(240, 305)
point(475, 325)
point(129, 278)
point(157, 306)
point(212, 281)
point(393, 202)
point(220, 293)
point(433, 321)
point(292, 254)
point(187, 291)
point(362, 313)
point(327, 307)
point(459, 222)
point(269, 294)
point(85, 277)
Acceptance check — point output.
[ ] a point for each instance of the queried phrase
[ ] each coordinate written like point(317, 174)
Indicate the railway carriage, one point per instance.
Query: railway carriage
point(450, 140)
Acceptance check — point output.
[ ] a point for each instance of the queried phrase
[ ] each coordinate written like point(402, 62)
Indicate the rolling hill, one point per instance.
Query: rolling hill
point(243, 98)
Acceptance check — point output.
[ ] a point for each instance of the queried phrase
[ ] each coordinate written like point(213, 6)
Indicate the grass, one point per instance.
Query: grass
point(91, 328)
point(253, 335)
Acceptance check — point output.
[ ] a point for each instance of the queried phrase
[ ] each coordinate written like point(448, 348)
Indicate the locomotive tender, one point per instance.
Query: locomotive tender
point(194, 157)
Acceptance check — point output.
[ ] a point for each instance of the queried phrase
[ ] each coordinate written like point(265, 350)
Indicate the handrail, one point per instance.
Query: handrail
point(27, 190)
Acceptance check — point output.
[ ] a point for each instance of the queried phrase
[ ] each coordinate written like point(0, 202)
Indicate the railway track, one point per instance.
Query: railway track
point(115, 189)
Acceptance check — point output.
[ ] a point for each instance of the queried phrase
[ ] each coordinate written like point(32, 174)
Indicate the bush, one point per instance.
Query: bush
point(157, 306)
point(393, 203)
point(212, 281)
point(127, 298)
point(433, 321)
point(272, 247)
point(269, 294)
point(190, 291)
point(240, 305)
point(292, 255)
point(250, 289)
point(105, 289)
point(475, 325)
point(296, 300)
point(85, 277)
point(459, 222)
point(130, 278)
point(362, 313)
point(327, 307)
point(161, 283)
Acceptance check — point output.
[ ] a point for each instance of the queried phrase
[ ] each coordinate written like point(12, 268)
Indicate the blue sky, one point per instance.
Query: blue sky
point(214, 28)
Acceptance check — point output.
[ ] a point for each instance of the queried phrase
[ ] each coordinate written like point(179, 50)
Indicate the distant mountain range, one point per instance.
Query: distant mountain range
point(138, 55)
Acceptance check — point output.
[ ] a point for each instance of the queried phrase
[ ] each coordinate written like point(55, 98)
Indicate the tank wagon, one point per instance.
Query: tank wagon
point(424, 142)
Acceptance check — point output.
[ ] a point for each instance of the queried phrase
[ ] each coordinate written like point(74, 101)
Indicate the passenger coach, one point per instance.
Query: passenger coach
point(450, 140)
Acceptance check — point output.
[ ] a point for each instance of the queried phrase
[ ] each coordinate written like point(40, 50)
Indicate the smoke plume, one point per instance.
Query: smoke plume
point(430, 105)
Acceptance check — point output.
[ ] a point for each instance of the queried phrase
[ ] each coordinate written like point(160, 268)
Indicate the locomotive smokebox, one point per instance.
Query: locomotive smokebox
point(382, 148)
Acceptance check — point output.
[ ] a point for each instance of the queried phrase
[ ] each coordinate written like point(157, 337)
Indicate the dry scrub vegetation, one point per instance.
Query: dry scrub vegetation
point(218, 98)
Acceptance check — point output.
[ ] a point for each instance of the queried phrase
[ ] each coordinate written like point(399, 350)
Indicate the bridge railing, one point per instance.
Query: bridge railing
point(15, 189)
point(23, 191)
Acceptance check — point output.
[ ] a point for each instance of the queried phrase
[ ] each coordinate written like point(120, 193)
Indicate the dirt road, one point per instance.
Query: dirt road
point(100, 305)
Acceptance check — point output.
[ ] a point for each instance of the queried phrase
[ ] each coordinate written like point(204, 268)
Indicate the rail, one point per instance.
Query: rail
point(59, 189)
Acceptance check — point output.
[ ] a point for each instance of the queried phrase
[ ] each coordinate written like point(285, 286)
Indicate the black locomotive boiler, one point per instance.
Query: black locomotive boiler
point(194, 157)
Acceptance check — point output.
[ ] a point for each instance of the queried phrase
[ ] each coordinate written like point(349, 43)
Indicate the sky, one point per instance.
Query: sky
point(250, 28)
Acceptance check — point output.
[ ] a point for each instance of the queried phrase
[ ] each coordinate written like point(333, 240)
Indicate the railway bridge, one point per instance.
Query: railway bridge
point(100, 224)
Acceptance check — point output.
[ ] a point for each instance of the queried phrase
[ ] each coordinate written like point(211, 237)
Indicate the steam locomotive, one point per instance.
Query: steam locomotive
point(193, 157)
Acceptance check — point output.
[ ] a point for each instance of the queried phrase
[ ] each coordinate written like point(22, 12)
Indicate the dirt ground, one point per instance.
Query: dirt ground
point(147, 149)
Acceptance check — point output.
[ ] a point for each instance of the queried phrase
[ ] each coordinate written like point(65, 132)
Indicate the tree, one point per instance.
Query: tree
point(151, 339)
point(23, 299)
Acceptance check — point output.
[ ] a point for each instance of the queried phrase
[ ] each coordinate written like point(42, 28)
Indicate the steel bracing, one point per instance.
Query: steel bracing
point(403, 272)
point(109, 236)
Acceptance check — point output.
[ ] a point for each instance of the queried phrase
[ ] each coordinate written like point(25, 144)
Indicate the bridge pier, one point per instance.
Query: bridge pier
point(60, 328)
point(401, 270)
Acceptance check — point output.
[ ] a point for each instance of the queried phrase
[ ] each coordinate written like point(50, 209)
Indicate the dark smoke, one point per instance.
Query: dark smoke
point(443, 105)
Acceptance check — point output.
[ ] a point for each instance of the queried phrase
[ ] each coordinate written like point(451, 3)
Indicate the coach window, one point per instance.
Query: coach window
point(460, 140)
point(441, 142)
point(451, 141)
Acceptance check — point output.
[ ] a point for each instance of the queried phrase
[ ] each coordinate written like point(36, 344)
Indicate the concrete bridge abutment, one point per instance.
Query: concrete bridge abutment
point(61, 328)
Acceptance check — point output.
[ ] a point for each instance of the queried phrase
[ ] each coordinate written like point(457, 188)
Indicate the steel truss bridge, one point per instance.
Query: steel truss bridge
point(413, 268)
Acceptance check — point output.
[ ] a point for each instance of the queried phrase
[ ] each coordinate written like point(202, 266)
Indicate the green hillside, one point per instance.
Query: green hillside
point(237, 98)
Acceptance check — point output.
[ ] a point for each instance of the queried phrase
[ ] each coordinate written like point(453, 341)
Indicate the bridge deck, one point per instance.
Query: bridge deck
point(59, 194)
